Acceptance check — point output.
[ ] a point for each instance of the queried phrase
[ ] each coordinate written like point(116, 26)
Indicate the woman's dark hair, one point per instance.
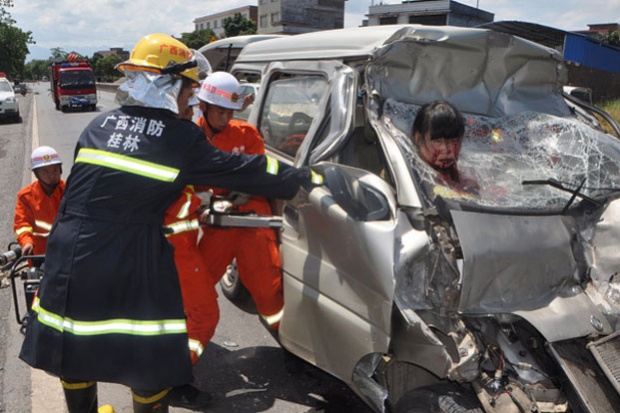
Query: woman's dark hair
point(441, 118)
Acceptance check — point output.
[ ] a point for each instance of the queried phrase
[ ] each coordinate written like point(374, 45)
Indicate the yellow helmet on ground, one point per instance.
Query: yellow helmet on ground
point(161, 53)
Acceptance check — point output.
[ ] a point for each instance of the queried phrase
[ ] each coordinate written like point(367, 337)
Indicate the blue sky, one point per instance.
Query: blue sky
point(89, 26)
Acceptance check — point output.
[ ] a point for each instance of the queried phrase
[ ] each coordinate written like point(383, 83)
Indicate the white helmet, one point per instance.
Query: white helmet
point(221, 89)
point(44, 156)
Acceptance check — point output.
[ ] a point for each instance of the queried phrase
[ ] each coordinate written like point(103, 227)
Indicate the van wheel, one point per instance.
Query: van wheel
point(439, 398)
point(231, 285)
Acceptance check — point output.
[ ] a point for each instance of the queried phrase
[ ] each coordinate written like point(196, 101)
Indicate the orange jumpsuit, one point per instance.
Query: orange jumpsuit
point(197, 288)
point(35, 212)
point(256, 249)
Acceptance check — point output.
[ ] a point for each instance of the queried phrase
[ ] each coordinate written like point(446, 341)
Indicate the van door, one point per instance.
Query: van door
point(337, 269)
point(304, 105)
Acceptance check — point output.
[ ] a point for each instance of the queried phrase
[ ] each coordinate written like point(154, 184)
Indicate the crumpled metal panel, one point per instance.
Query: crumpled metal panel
point(513, 262)
point(606, 260)
point(481, 71)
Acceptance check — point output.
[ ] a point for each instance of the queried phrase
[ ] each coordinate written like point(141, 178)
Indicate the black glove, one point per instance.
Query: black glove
point(314, 179)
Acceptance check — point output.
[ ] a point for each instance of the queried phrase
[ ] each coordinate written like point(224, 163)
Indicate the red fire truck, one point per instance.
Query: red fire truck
point(73, 85)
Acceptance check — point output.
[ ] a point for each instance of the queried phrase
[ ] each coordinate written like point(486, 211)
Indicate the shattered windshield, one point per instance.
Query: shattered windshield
point(502, 154)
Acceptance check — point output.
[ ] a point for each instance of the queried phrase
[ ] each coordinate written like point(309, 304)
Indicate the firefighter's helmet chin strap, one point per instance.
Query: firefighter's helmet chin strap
point(178, 68)
point(48, 188)
point(214, 130)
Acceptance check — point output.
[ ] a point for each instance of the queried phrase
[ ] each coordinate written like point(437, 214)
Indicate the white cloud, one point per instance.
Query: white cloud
point(88, 26)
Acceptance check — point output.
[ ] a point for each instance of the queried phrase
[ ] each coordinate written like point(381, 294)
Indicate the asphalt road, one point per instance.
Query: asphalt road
point(243, 367)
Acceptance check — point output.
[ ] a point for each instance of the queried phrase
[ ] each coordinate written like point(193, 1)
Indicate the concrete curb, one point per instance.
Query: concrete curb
point(107, 87)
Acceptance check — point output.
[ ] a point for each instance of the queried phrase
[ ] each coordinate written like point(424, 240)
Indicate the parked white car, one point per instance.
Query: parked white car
point(9, 106)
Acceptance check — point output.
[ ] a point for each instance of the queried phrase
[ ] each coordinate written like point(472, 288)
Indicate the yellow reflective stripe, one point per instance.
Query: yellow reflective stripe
point(182, 226)
point(112, 326)
point(273, 319)
point(43, 224)
point(149, 400)
point(127, 164)
point(196, 347)
point(21, 230)
point(184, 210)
point(316, 178)
point(272, 166)
point(41, 234)
point(77, 386)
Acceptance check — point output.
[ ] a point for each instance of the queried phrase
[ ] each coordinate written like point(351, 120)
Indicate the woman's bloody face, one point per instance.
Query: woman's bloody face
point(440, 153)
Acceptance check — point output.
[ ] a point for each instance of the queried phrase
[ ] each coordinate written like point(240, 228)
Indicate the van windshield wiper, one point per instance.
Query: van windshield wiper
point(559, 185)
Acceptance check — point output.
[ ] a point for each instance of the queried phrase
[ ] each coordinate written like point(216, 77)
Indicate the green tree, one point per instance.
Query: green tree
point(238, 25)
point(4, 13)
point(612, 37)
point(57, 54)
point(197, 39)
point(93, 62)
point(13, 43)
point(105, 68)
point(36, 69)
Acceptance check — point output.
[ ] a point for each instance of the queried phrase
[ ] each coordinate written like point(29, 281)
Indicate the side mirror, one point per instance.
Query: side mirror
point(359, 200)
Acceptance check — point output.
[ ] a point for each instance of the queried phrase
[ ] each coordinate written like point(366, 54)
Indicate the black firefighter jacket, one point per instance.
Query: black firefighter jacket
point(109, 307)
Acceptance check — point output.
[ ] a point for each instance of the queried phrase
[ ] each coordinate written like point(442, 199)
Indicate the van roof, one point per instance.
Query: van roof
point(237, 42)
point(222, 53)
point(346, 43)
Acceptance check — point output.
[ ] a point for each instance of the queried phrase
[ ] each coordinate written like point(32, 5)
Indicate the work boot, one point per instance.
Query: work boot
point(188, 397)
point(81, 397)
point(149, 402)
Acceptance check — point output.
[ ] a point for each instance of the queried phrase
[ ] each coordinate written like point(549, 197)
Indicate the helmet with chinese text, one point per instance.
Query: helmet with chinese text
point(44, 156)
point(221, 89)
point(161, 53)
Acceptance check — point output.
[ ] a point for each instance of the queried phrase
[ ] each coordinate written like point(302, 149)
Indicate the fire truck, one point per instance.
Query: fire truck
point(73, 85)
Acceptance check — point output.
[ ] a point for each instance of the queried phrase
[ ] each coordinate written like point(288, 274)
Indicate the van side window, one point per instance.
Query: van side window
point(288, 111)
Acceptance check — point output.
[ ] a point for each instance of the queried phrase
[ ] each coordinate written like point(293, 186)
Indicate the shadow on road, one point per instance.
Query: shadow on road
point(256, 379)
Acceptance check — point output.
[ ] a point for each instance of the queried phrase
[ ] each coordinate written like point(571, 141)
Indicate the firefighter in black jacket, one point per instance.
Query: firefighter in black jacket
point(109, 307)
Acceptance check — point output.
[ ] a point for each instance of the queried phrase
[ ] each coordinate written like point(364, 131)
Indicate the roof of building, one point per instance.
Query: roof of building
point(224, 13)
point(545, 35)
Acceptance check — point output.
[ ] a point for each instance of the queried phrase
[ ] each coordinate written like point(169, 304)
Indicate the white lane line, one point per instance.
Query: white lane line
point(35, 123)
point(47, 394)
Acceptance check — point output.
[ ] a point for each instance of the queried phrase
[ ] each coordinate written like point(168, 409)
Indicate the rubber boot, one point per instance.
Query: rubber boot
point(81, 397)
point(149, 402)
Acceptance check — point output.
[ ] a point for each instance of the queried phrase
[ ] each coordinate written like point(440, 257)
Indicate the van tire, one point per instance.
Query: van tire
point(439, 398)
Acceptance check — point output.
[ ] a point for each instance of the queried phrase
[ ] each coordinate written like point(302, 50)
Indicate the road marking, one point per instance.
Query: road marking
point(35, 123)
point(47, 394)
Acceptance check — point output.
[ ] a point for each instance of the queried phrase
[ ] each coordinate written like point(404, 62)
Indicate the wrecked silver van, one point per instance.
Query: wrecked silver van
point(422, 298)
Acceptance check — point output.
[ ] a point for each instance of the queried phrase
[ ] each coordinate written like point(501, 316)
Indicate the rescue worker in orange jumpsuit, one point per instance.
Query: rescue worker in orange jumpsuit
point(256, 249)
point(37, 204)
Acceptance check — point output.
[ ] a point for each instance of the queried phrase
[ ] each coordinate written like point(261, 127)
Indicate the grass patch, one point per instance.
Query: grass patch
point(613, 108)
